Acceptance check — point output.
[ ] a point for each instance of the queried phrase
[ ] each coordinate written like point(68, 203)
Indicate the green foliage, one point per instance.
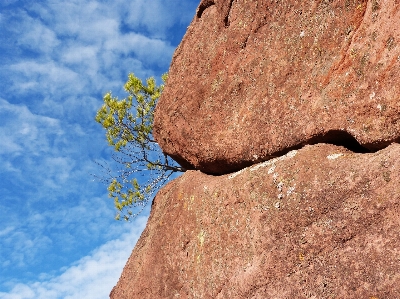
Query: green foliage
point(129, 124)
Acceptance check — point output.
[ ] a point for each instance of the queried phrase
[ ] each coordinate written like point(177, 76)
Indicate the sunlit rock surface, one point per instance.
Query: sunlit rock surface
point(320, 222)
point(295, 106)
point(252, 78)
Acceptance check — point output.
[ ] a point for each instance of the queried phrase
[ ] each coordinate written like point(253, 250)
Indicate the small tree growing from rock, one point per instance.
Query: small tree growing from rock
point(143, 167)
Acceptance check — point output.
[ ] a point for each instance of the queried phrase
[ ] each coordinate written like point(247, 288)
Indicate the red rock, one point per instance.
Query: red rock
point(253, 78)
point(321, 222)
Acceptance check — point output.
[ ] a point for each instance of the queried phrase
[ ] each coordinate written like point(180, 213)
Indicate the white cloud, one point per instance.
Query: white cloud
point(59, 58)
point(48, 164)
point(158, 16)
point(86, 20)
point(23, 132)
point(7, 2)
point(6, 231)
point(46, 77)
point(152, 51)
point(36, 36)
point(82, 45)
point(58, 170)
point(77, 54)
point(93, 276)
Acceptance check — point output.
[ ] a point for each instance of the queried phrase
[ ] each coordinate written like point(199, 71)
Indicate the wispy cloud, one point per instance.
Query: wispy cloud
point(35, 35)
point(158, 16)
point(57, 59)
point(83, 47)
point(21, 131)
point(93, 276)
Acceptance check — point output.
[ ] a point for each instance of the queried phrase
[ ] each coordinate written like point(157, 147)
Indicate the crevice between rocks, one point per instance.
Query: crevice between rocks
point(203, 6)
point(208, 3)
point(226, 19)
point(346, 140)
point(334, 137)
point(339, 138)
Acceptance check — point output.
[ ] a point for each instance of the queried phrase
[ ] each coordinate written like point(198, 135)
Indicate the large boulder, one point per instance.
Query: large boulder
point(320, 222)
point(254, 78)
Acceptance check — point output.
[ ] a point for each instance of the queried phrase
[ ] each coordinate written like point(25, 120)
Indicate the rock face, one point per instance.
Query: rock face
point(310, 89)
point(254, 78)
point(320, 222)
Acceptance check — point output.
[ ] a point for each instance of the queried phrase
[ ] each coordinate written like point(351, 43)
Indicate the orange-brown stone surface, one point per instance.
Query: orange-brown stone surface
point(253, 78)
point(310, 89)
point(320, 222)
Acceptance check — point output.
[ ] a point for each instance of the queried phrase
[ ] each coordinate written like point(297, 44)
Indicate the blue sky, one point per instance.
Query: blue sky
point(58, 236)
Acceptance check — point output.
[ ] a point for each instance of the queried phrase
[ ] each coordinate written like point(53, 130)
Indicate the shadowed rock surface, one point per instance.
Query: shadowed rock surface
point(320, 222)
point(253, 78)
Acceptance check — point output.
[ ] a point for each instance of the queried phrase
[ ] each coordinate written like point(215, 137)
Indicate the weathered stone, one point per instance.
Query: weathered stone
point(320, 222)
point(253, 78)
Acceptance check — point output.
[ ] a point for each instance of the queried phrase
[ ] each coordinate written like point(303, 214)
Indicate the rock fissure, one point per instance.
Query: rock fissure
point(244, 43)
point(203, 6)
point(226, 19)
point(333, 137)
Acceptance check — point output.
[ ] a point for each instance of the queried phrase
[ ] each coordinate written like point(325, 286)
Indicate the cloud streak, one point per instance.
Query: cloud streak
point(20, 130)
point(93, 276)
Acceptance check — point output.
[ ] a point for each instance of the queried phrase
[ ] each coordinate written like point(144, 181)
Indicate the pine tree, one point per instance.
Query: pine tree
point(143, 167)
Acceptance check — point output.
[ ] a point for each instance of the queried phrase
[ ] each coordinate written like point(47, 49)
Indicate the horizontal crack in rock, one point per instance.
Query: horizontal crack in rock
point(335, 137)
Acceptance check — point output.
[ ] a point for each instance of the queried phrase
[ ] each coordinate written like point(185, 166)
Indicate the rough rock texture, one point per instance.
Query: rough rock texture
point(253, 78)
point(320, 222)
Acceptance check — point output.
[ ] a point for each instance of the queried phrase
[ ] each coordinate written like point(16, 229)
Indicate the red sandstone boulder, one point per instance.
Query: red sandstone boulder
point(320, 222)
point(253, 78)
